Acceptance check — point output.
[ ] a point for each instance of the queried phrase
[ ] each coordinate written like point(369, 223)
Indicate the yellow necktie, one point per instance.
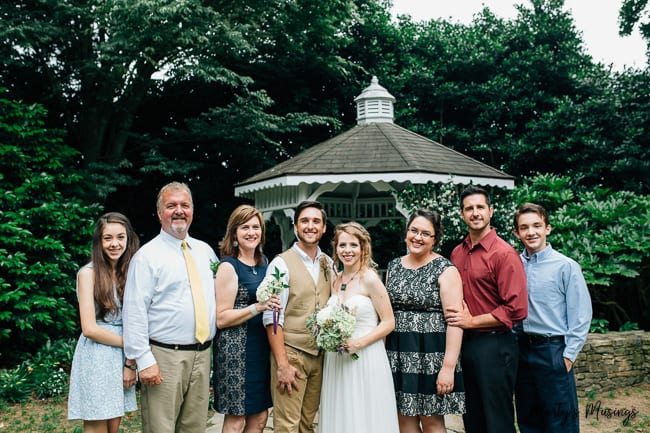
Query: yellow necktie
point(201, 328)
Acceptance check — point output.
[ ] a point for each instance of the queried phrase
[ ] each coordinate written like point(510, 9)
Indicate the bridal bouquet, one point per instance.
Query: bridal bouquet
point(331, 326)
point(271, 285)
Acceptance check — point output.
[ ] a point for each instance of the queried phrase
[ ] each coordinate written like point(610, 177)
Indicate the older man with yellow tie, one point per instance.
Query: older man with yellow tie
point(170, 319)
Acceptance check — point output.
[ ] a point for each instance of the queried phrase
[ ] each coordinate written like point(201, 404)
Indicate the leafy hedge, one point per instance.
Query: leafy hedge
point(608, 233)
point(45, 230)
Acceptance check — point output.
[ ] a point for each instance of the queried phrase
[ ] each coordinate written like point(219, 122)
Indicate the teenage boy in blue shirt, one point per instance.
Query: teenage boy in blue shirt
point(559, 315)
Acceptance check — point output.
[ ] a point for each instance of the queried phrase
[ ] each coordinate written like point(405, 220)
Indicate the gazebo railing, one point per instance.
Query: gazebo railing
point(366, 209)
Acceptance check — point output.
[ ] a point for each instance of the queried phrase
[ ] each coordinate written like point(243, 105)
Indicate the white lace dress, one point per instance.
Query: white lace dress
point(96, 390)
point(358, 395)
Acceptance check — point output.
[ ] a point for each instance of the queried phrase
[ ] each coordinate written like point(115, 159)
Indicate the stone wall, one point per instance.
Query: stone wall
point(612, 361)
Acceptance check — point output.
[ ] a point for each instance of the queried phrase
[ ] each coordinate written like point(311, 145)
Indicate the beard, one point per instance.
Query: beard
point(179, 226)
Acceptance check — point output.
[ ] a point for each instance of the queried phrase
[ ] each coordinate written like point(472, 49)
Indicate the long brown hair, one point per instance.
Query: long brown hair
point(102, 268)
point(238, 217)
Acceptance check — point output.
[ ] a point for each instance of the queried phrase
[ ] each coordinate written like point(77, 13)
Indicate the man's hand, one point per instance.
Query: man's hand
point(568, 364)
point(151, 375)
point(459, 318)
point(287, 378)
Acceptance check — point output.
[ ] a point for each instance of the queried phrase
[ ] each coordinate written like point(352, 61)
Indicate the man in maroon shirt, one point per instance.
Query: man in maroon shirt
point(494, 288)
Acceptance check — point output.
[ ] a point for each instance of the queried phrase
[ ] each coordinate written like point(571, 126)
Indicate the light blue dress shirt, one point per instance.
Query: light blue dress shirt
point(313, 267)
point(158, 299)
point(558, 299)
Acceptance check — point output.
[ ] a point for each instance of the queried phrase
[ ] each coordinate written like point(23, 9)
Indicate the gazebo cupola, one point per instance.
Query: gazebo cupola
point(357, 174)
point(374, 104)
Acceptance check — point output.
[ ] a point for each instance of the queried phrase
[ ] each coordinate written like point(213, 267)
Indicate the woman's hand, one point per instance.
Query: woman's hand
point(129, 377)
point(445, 380)
point(353, 345)
point(270, 304)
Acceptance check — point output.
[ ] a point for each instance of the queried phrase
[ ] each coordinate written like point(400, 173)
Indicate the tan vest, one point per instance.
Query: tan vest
point(304, 298)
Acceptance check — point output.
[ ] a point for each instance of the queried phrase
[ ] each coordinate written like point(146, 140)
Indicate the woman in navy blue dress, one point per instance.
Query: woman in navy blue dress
point(241, 353)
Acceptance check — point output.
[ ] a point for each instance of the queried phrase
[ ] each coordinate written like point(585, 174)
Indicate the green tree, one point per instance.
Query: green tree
point(444, 198)
point(44, 231)
point(94, 62)
point(523, 95)
point(631, 13)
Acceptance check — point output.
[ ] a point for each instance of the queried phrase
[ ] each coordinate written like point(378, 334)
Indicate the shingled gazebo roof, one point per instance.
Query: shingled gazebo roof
point(381, 151)
point(357, 174)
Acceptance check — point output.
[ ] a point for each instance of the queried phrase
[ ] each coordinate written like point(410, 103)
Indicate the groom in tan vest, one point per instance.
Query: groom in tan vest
point(297, 364)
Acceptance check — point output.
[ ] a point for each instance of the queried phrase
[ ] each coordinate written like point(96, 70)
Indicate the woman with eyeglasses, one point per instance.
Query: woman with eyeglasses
point(423, 352)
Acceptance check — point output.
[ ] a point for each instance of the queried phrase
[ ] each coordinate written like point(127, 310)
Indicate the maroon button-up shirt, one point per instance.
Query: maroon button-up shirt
point(494, 280)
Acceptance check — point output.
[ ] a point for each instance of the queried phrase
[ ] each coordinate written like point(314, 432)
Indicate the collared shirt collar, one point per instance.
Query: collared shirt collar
point(486, 241)
point(304, 256)
point(173, 240)
point(536, 257)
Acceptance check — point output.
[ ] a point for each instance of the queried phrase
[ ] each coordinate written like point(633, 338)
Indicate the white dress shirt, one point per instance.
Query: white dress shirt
point(158, 299)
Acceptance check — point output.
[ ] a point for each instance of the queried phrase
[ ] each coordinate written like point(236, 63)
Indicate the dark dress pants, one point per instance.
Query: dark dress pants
point(489, 362)
point(545, 393)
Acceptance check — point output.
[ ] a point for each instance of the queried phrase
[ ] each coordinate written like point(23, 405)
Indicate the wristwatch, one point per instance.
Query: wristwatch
point(130, 367)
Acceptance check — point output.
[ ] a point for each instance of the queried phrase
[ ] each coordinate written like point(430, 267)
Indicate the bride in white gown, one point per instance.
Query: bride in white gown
point(358, 395)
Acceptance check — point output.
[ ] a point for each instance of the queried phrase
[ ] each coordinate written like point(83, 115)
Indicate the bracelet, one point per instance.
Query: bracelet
point(253, 310)
point(130, 367)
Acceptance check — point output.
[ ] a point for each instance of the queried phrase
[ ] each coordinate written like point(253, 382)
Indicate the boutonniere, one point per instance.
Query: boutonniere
point(213, 267)
point(324, 265)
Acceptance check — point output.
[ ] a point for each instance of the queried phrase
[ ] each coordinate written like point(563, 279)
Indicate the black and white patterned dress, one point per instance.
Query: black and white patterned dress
point(416, 347)
point(242, 376)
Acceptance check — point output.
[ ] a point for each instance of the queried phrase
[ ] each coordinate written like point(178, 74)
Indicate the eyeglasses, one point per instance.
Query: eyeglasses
point(424, 235)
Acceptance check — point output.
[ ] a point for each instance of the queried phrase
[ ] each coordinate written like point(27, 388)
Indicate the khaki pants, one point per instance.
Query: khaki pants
point(180, 402)
point(296, 413)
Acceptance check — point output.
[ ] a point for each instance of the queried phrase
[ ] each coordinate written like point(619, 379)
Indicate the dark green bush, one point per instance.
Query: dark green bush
point(54, 385)
point(49, 367)
point(14, 385)
point(629, 326)
point(599, 326)
point(45, 231)
point(608, 233)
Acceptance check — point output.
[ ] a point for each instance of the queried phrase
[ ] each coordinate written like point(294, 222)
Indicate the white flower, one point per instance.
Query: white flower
point(323, 315)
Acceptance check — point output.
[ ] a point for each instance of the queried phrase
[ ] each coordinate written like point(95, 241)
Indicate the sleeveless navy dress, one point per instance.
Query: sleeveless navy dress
point(241, 376)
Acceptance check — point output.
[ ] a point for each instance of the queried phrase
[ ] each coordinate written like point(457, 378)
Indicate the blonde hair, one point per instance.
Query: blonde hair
point(358, 231)
point(173, 186)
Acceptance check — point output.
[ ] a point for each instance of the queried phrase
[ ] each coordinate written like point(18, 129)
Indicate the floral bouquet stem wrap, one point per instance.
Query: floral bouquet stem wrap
point(271, 285)
point(332, 326)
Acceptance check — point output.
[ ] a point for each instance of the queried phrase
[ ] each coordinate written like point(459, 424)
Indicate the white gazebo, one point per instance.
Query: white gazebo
point(356, 174)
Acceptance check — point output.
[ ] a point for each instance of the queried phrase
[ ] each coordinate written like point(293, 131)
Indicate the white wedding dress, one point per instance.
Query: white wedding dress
point(358, 395)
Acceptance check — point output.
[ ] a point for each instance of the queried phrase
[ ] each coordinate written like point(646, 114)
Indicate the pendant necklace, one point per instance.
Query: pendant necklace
point(252, 268)
point(345, 285)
